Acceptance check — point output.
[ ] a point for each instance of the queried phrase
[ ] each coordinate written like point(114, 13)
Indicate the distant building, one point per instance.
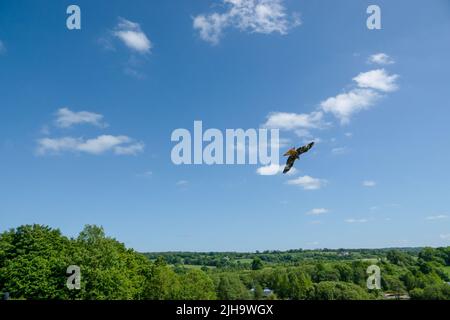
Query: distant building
point(267, 291)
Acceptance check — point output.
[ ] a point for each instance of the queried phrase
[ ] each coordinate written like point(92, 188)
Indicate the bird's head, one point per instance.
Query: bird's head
point(290, 152)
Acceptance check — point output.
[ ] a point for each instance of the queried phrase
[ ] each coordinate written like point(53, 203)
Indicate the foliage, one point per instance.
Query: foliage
point(34, 260)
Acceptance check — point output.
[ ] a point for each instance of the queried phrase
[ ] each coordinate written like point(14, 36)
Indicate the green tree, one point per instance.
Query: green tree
point(336, 290)
point(197, 285)
point(257, 264)
point(393, 284)
point(33, 262)
point(230, 287)
point(162, 283)
point(432, 292)
point(258, 293)
point(108, 269)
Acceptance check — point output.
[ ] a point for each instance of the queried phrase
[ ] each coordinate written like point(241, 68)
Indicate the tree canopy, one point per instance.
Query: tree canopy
point(34, 261)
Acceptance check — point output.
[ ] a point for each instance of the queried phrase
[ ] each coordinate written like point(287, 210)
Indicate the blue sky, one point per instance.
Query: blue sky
point(86, 118)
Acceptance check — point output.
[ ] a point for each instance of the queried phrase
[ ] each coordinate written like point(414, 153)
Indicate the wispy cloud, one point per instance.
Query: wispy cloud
point(132, 36)
point(343, 106)
point(369, 183)
point(146, 174)
point(294, 121)
point(339, 150)
point(317, 211)
point(308, 182)
point(96, 146)
point(130, 149)
point(445, 236)
point(299, 123)
point(66, 118)
point(182, 183)
point(252, 16)
point(437, 217)
point(367, 89)
point(381, 58)
point(352, 220)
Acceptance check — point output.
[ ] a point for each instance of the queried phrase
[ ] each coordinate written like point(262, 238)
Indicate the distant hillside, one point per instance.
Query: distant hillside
point(223, 259)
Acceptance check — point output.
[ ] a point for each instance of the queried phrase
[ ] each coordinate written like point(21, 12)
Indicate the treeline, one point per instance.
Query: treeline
point(242, 260)
point(34, 260)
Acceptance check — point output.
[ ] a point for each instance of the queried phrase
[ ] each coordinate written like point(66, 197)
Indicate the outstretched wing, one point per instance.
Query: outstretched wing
point(305, 148)
point(289, 163)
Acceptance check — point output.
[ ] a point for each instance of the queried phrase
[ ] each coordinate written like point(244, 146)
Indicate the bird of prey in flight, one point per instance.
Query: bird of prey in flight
point(294, 155)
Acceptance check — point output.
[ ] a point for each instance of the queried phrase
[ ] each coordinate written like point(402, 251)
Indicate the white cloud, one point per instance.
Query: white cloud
point(102, 143)
point(98, 145)
point(381, 58)
point(317, 211)
point(182, 183)
point(132, 36)
point(438, 217)
point(351, 220)
point(344, 105)
point(369, 183)
point(377, 79)
point(300, 122)
point(269, 170)
point(273, 169)
point(308, 183)
point(252, 16)
point(210, 26)
point(131, 149)
point(445, 236)
point(66, 118)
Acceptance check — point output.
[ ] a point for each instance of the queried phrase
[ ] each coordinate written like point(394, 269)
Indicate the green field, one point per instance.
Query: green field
point(447, 270)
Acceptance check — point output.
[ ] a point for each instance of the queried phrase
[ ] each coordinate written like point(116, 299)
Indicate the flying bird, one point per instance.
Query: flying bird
point(294, 155)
